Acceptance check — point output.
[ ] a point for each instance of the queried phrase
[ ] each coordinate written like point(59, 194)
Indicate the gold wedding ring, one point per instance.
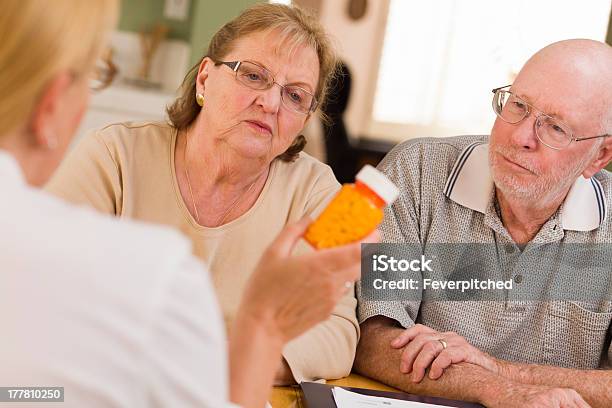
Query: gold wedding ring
point(444, 344)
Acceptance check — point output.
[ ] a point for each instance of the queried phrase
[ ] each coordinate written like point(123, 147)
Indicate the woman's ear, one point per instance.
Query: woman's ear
point(46, 119)
point(202, 76)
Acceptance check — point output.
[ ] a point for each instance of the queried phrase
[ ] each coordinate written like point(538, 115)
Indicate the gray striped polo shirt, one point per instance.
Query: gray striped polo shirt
point(447, 196)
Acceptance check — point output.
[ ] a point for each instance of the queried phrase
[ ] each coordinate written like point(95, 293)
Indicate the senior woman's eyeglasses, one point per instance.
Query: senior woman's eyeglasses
point(549, 130)
point(256, 77)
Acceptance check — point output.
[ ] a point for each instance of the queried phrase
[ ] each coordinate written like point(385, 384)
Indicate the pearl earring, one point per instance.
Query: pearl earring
point(200, 99)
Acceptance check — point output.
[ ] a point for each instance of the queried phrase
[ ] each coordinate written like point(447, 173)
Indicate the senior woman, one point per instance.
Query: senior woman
point(121, 314)
point(227, 169)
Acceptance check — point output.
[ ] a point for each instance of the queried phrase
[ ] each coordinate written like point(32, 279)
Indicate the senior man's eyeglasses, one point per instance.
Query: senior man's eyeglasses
point(550, 131)
point(256, 77)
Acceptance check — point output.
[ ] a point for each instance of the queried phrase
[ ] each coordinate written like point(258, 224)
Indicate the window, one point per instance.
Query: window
point(441, 58)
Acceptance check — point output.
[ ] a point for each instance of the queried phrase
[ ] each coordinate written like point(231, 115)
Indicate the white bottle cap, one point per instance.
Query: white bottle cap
point(379, 183)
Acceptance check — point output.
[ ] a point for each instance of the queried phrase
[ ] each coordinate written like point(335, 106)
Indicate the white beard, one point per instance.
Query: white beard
point(541, 188)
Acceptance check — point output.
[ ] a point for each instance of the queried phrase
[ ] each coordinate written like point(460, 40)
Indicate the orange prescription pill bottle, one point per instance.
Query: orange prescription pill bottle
point(354, 212)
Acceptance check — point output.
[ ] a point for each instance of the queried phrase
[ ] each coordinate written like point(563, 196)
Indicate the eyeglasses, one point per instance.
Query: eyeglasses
point(256, 77)
point(550, 131)
point(103, 74)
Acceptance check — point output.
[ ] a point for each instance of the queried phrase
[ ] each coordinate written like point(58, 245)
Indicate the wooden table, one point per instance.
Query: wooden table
point(291, 397)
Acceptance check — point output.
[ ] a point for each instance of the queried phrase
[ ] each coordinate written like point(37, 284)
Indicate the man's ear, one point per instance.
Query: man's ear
point(203, 70)
point(604, 155)
point(46, 115)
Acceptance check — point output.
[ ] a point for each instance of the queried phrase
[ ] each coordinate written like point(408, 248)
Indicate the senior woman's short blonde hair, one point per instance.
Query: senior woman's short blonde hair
point(39, 39)
point(295, 25)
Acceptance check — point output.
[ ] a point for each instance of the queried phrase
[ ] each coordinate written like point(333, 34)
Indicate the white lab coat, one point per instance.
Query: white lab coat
point(120, 314)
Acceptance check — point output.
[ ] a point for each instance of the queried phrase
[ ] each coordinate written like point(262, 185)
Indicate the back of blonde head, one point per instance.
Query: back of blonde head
point(40, 38)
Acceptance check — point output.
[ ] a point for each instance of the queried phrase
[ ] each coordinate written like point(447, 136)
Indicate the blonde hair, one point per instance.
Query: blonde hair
point(39, 39)
point(295, 27)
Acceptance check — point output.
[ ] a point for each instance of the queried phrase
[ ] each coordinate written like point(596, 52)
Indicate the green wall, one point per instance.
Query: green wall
point(205, 17)
point(208, 16)
point(139, 15)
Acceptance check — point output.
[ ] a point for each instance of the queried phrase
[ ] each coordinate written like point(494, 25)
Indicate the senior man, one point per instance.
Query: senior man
point(536, 182)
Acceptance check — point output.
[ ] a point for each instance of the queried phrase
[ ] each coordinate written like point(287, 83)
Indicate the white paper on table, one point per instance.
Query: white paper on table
point(348, 399)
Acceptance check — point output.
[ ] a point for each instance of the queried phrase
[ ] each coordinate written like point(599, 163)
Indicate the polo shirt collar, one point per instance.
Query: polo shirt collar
point(470, 184)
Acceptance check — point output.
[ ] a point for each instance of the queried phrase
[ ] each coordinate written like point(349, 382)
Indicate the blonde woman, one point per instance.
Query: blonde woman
point(228, 170)
point(121, 314)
